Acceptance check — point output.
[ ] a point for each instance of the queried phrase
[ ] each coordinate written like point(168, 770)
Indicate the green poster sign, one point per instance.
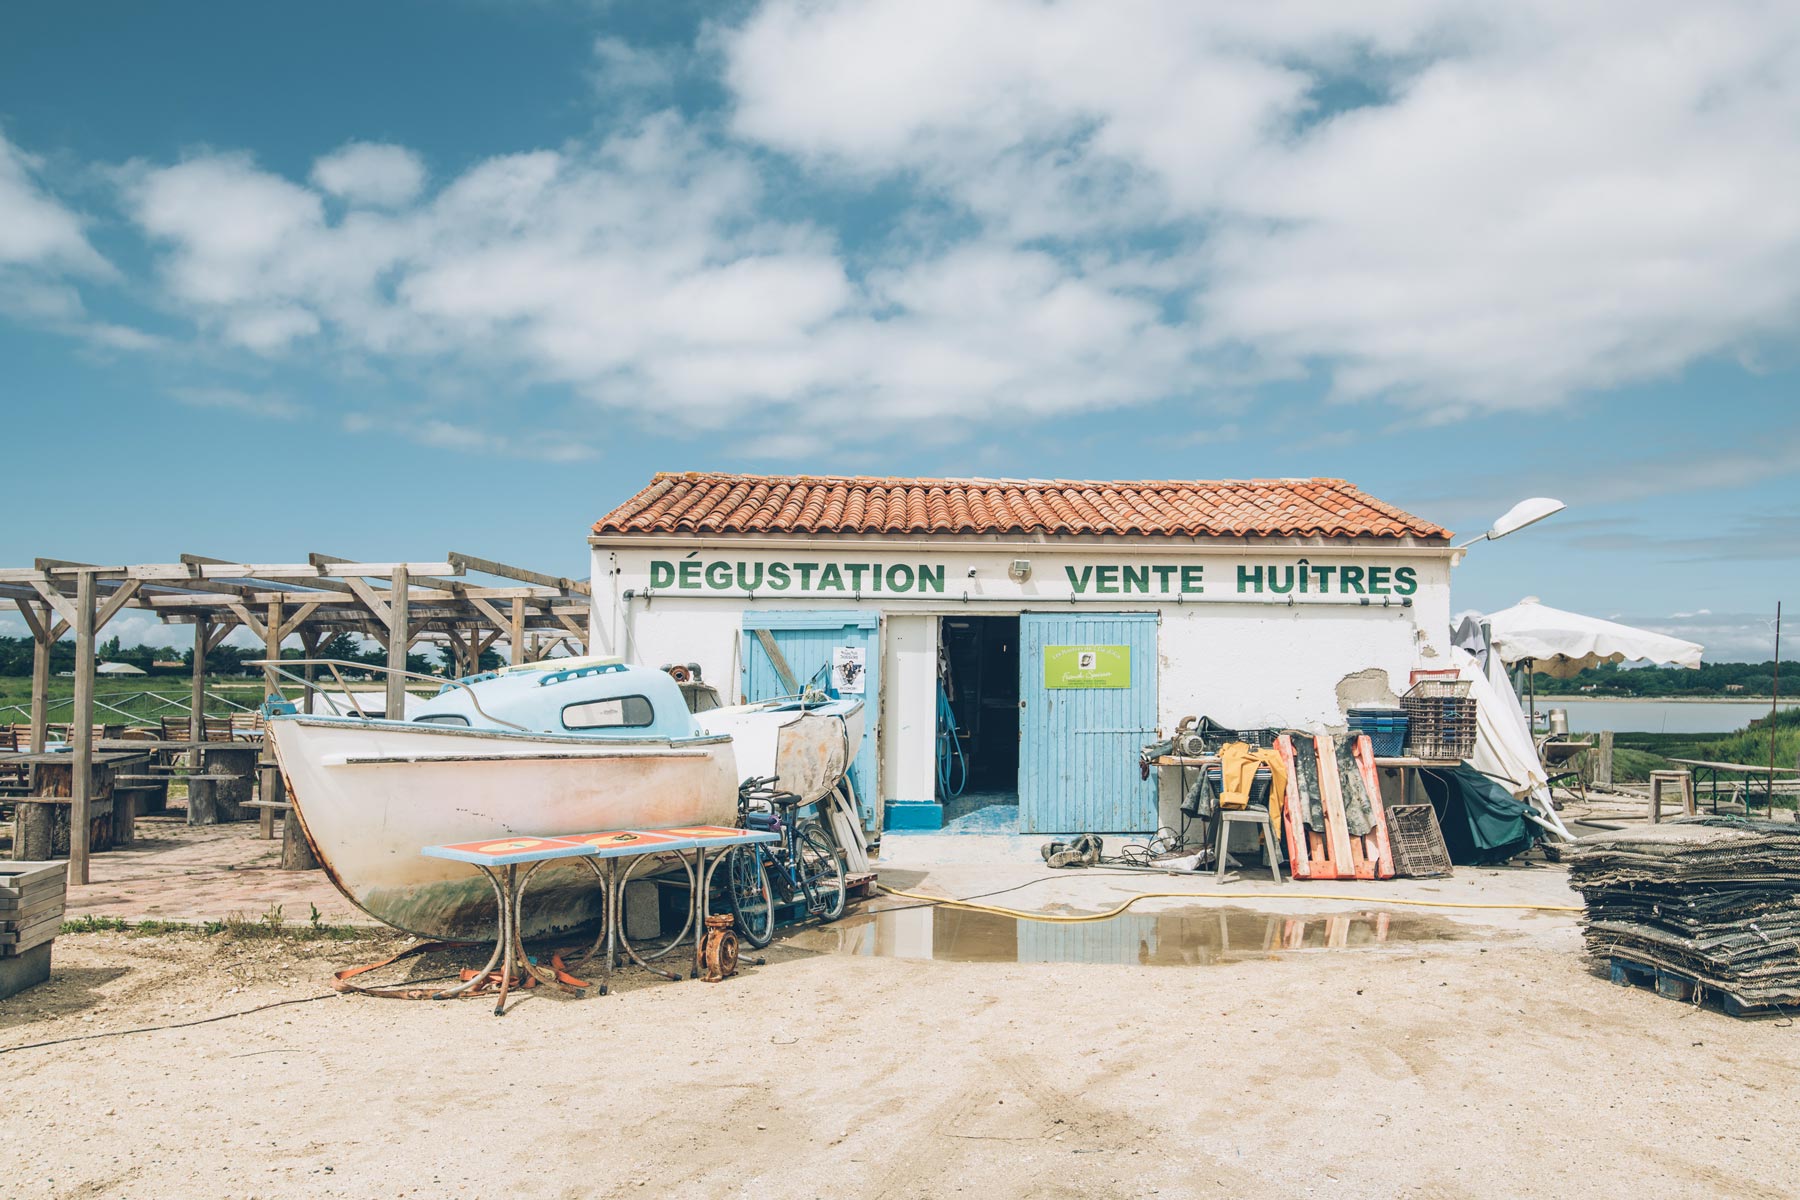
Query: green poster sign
point(1087, 666)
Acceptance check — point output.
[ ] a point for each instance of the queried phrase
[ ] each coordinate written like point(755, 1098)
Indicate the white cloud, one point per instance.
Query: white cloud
point(1463, 207)
point(540, 445)
point(1533, 199)
point(35, 228)
point(371, 173)
point(234, 400)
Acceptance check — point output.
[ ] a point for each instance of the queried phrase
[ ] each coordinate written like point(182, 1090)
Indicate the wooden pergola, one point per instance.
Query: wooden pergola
point(397, 604)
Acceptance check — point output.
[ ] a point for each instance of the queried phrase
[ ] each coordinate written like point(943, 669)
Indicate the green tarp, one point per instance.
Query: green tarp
point(1482, 823)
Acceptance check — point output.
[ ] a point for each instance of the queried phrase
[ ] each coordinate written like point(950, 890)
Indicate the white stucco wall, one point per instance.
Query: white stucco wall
point(1242, 659)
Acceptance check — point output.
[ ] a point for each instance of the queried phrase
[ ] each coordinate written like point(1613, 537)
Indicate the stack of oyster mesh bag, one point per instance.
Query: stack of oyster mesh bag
point(1716, 899)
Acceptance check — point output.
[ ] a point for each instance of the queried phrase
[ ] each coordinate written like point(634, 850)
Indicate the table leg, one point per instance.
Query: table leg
point(509, 929)
point(698, 906)
point(612, 925)
point(502, 918)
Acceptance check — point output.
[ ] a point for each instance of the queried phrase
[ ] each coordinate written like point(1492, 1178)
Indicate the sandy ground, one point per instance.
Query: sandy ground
point(1485, 1060)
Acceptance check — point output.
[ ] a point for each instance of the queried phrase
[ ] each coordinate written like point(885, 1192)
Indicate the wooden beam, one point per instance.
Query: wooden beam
point(200, 560)
point(39, 630)
point(57, 600)
point(298, 619)
point(82, 792)
point(250, 620)
point(399, 641)
point(375, 604)
point(176, 572)
point(40, 688)
point(487, 566)
point(272, 647)
point(486, 608)
point(203, 643)
point(220, 629)
point(449, 585)
point(115, 602)
point(518, 632)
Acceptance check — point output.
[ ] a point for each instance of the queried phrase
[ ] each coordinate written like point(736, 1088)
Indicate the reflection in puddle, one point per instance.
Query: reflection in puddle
point(1192, 937)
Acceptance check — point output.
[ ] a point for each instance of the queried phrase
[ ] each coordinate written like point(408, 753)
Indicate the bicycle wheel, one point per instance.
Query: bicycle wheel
point(821, 874)
point(747, 886)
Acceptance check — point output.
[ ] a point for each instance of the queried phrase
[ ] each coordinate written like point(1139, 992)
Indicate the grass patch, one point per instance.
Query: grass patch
point(271, 926)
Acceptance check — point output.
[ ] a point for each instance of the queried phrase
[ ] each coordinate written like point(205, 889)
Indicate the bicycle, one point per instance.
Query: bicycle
point(804, 864)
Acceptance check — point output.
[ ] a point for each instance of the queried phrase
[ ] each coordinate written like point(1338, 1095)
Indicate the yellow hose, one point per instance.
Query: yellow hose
point(1372, 901)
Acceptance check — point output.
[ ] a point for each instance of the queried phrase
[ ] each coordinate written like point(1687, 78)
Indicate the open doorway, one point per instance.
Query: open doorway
point(978, 765)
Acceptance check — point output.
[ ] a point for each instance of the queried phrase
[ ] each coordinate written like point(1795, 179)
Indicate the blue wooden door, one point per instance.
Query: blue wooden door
point(1087, 692)
point(806, 640)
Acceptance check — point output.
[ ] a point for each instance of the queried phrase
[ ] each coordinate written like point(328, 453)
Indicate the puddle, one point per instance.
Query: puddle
point(1190, 937)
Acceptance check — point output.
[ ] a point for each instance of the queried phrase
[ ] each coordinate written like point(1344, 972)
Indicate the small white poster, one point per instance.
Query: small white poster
point(847, 666)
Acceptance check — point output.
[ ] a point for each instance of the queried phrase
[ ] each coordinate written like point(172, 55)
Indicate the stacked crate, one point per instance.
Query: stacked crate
point(31, 913)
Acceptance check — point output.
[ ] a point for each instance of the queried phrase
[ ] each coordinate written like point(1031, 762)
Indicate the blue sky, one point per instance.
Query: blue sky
point(518, 257)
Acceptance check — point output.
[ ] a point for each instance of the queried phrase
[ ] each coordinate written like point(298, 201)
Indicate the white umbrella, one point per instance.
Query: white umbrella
point(1562, 644)
point(118, 669)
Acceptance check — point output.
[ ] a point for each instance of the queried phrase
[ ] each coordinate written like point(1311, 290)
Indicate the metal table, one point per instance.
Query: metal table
point(603, 853)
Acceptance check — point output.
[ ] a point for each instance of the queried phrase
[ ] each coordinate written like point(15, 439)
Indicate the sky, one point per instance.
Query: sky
point(384, 281)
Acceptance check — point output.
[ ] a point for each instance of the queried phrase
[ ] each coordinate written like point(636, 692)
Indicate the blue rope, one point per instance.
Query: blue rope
point(950, 760)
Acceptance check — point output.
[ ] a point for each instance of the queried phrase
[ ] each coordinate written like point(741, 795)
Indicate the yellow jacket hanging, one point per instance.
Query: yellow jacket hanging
point(1238, 762)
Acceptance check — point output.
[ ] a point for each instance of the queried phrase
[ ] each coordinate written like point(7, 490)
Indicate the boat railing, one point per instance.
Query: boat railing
point(279, 667)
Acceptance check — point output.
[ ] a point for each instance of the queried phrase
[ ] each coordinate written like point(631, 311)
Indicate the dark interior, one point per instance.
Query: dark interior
point(979, 669)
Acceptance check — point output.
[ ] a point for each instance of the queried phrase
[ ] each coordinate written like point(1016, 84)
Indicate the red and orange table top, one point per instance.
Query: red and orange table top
point(509, 850)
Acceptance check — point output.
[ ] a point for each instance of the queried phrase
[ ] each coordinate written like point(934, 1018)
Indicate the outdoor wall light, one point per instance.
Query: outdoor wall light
point(1525, 512)
point(1020, 570)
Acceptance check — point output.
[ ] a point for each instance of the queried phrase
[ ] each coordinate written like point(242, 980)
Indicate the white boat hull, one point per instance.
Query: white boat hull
point(370, 795)
point(806, 750)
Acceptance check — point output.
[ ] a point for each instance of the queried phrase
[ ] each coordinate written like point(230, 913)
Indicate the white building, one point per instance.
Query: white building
point(1067, 623)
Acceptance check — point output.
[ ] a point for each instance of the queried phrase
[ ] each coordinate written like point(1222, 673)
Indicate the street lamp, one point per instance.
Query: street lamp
point(1525, 512)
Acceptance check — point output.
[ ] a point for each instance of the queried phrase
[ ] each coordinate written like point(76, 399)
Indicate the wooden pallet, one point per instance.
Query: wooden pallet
point(1335, 854)
point(1675, 985)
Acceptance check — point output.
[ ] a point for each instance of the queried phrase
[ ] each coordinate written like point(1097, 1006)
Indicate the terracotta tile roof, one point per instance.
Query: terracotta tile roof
point(702, 503)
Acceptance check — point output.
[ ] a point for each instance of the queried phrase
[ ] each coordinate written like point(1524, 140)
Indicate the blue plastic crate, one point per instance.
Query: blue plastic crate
point(1386, 728)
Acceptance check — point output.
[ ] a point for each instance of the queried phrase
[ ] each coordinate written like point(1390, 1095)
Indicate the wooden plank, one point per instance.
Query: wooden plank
point(21, 934)
point(1331, 799)
point(1364, 752)
point(779, 661)
point(1293, 816)
point(23, 874)
point(518, 632)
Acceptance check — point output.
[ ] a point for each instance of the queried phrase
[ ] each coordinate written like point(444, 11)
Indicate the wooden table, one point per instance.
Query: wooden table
point(1748, 772)
point(41, 820)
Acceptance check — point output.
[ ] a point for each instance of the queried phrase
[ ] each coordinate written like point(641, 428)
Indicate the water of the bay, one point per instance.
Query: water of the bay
point(1660, 716)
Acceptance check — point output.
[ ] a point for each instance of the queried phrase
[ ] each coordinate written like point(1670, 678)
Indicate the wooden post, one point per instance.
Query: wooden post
point(1603, 761)
point(518, 630)
point(272, 647)
point(40, 681)
point(399, 642)
point(83, 717)
point(197, 691)
point(309, 642)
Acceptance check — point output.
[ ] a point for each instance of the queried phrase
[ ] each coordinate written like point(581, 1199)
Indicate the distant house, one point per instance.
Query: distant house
point(1734, 687)
point(168, 664)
